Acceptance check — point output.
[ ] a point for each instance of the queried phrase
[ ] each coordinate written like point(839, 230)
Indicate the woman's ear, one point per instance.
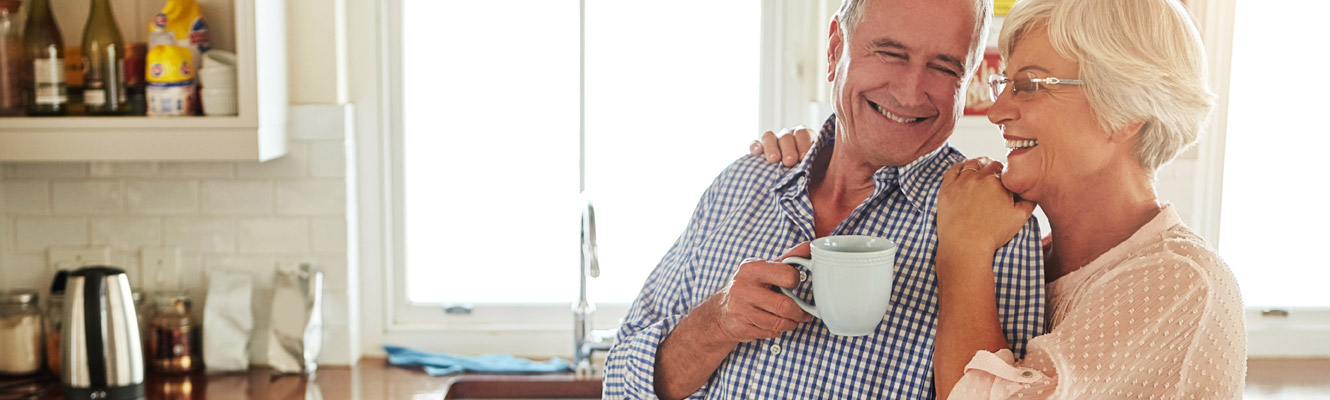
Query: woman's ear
point(1127, 132)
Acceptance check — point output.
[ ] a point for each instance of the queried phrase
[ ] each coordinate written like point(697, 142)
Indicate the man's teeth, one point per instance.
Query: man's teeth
point(895, 117)
point(1021, 144)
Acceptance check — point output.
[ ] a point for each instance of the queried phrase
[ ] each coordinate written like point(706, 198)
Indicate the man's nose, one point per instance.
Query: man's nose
point(907, 88)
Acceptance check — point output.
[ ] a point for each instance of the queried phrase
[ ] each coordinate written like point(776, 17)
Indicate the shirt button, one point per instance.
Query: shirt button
point(1027, 374)
point(803, 276)
point(775, 349)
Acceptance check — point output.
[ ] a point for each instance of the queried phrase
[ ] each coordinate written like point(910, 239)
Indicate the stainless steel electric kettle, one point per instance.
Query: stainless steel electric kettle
point(101, 354)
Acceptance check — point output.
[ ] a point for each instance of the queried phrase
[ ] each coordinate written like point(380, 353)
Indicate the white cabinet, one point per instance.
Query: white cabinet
point(257, 31)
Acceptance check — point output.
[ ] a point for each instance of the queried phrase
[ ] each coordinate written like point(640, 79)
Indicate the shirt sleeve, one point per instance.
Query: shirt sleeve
point(1138, 330)
point(1018, 272)
point(666, 297)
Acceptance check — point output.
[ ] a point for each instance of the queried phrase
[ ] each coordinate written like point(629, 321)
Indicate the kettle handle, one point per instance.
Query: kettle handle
point(93, 286)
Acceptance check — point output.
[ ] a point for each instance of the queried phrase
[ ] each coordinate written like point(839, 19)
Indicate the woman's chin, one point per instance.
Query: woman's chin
point(1017, 184)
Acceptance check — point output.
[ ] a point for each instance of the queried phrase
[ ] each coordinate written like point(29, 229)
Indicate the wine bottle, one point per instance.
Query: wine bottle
point(44, 52)
point(103, 62)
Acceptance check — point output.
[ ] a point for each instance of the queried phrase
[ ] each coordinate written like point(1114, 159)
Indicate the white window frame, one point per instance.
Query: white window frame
point(375, 46)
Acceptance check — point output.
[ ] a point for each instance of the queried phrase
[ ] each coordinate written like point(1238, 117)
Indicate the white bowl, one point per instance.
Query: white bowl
point(218, 101)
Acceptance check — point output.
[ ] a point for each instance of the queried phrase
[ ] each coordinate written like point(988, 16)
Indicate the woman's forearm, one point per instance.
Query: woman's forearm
point(967, 315)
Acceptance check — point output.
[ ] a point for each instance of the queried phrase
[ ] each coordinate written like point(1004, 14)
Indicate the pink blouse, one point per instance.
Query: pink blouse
point(1156, 317)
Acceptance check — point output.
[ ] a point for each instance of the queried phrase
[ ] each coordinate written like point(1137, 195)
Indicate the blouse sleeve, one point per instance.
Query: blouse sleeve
point(1141, 329)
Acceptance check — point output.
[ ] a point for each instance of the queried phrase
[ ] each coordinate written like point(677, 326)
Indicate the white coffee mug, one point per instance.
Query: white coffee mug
point(851, 282)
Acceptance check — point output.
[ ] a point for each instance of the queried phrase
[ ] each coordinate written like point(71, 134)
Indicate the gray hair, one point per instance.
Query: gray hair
point(1141, 60)
point(852, 11)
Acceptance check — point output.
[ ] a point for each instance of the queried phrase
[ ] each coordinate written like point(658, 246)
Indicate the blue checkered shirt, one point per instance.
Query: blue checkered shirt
point(758, 209)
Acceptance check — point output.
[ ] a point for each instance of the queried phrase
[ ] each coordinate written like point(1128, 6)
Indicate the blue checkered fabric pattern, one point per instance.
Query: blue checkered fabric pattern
point(757, 209)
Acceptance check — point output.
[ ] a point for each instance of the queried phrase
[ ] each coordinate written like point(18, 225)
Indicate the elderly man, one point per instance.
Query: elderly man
point(709, 323)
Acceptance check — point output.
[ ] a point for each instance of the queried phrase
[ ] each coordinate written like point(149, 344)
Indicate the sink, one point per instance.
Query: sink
point(526, 387)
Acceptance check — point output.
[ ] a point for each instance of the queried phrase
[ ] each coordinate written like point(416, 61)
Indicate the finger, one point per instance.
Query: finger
point(789, 150)
point(991, 168)
point(755, 148)
point(774, 274)
point(766, 320)
point(770, 147)
point(804, 250)
point(803, 139)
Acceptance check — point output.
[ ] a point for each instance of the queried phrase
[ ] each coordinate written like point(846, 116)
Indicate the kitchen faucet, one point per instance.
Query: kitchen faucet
point(585, 339)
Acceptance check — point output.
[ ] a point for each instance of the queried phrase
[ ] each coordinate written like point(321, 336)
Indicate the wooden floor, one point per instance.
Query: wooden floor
point(1269, 379)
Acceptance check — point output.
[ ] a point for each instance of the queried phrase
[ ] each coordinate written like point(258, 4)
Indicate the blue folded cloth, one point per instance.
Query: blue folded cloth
point(437, 364)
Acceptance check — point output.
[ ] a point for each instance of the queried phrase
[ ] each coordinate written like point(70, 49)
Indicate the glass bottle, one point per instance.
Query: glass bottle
point(20, 333)
point(103, 63)
point(174, 341)
point(11, 59)
point(44, 50)
point(55, 316)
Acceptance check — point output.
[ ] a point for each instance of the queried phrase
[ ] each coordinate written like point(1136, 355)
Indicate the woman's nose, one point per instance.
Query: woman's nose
point(1004, 109)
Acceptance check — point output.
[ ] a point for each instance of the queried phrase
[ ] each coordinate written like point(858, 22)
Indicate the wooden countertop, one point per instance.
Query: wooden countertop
point(372, 379)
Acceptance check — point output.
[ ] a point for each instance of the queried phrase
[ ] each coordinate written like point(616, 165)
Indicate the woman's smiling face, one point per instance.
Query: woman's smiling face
point(1053, 134)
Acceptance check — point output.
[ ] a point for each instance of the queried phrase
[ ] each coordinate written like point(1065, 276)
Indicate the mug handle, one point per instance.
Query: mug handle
point(806, 263)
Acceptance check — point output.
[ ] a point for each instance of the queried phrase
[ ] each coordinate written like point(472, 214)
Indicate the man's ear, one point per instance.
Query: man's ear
point(835, 43)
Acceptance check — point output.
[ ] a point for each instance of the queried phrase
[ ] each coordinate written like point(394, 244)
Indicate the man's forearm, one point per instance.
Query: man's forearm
point(691, 353)
point(967, 317)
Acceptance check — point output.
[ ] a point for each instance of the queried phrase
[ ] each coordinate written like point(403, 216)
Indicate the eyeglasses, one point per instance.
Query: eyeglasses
point(1025, 88)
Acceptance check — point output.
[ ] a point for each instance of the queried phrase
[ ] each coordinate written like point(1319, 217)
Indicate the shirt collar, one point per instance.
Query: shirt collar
point(915, 179)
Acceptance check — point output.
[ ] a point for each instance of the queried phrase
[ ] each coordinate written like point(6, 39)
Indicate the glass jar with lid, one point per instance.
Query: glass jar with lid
point(174, 338)
point(20, 333)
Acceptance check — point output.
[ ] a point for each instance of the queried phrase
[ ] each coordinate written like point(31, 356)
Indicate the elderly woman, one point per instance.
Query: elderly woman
point(1095, 97)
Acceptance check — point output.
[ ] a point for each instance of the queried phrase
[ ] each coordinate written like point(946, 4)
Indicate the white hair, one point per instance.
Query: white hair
point(852, 12)
point(1142, 62)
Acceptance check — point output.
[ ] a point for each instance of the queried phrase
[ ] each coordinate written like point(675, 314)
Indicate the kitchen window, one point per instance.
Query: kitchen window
point(500, 116)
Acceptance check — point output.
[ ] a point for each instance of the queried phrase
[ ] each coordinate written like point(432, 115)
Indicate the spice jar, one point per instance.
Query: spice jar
point(174, 338)
point(20, 333)
point(55, 314)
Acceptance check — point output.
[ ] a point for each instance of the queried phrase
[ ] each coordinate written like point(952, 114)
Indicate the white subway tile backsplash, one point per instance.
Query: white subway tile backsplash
point(162, 197)
point(35, 234)
point(238, 215)
point(46, 170)
point(27, 197)
point(26, 272)
point(310, 197)
point(121, 169)
point(274, 235)
point(336, 310)
point(333, 266)
point(125, 233)
point(327, 159)
point(328, 234)
point(197, 169)
point(337, 345)
point(295, 164)
point(238, 197)
point(192, 275)
point(313, 122)
point(262, 266)
point(203, 234)
point(102, 196)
